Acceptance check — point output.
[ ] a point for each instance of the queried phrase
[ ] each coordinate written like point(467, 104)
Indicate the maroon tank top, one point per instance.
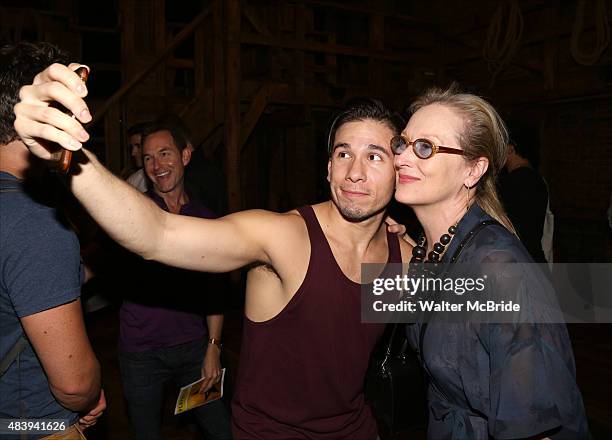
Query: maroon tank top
point(302, 372)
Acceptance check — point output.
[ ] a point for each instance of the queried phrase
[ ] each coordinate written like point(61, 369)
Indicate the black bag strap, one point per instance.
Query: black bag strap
point(391, 338)
point(9, 185)
point(9, 181)
point(389, 352)
point(12, 354)
point(464, 243)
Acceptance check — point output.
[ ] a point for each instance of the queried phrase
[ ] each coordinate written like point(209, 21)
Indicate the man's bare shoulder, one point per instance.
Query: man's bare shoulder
point(290, 225)
point(270, 228)
point(267, 219)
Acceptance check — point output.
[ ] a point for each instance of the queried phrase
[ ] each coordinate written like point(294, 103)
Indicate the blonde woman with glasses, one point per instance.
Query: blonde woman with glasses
point(501, 381)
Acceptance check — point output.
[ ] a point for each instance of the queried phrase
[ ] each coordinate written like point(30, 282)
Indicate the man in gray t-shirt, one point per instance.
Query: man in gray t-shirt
point(53, 375)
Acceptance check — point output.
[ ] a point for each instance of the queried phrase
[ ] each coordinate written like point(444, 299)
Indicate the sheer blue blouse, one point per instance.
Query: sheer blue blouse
point(503, 381)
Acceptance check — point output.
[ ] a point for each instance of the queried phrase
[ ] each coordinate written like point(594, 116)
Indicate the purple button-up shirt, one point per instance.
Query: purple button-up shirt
point(149, 326)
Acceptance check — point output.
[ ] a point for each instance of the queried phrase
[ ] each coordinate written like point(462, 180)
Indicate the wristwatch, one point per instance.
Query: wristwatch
point(216, 342)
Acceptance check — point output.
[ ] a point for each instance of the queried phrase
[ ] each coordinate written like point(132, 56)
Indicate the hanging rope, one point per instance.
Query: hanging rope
point(499, 49)
point(602, 33)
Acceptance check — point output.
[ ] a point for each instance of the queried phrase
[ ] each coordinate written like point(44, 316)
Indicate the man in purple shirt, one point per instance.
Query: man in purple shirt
point(162, 335)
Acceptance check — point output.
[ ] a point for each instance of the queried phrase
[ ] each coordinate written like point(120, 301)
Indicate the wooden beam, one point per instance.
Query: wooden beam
point(199, 61)
point(232, 104)
point(95, 29)
point(316, 96)
point(128, 37)
point(112, 139)
point(182, 63)
point(261, 28)
point(198, 114)
point(136, 79)
point(332, 48)
point(199, 104)
point(350, 7)
point(218, 63)
point(331, 61)
point(377, 42)
point(258, 105)
point(300, 60)
point(213, 141)
point(205, 131)
point(158, 17)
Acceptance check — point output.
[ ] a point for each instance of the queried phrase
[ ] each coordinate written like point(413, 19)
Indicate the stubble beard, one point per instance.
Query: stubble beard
point(355, 213)
point(352, 213)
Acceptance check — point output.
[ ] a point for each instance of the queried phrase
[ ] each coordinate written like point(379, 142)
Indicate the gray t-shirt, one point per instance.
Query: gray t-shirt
point(40, 268)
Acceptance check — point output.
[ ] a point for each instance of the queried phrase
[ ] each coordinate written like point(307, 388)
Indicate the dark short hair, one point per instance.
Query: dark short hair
point(174, 119)
point(361, 109)
point(19, 64)
point(525, 137)
point(138, 128)
point(174, 125)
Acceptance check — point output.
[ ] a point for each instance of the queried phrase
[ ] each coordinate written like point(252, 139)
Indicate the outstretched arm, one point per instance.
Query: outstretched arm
point(129, 217)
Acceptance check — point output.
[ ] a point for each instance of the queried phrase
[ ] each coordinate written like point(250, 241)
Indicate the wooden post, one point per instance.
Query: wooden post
point(218, 66)
point(158, 11)
point(305, 155)
point(331, 61)
point(232, 105)
point(258, 105)
point(377, 42)
point(128, 38)
point(300, 33)
point(199, 65)
point(128, 67)
point(112, 135)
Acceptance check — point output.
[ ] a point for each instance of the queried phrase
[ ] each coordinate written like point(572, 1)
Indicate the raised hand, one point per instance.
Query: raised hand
point(37, 122)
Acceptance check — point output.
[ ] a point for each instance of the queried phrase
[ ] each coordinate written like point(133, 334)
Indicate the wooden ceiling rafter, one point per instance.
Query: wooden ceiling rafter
point(326, 48)
point(365, 10)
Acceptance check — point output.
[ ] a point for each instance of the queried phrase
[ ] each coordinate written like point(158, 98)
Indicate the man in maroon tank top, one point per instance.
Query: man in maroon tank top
point(305, 350)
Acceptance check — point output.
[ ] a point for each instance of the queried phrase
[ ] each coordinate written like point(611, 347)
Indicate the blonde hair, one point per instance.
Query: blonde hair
point(484, 135)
